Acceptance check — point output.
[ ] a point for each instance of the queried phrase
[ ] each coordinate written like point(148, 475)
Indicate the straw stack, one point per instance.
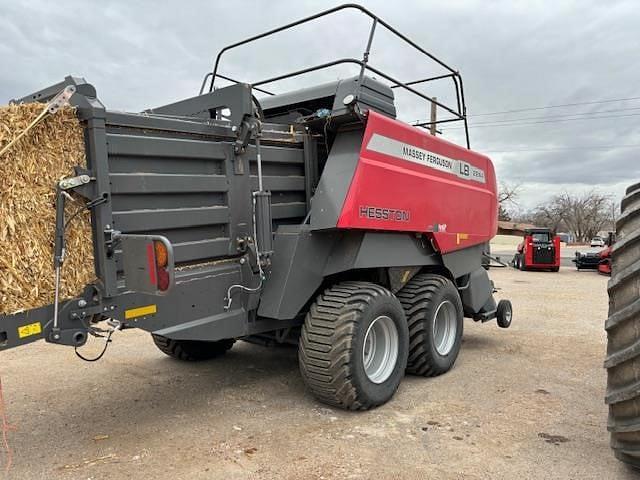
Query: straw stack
point(29, 172)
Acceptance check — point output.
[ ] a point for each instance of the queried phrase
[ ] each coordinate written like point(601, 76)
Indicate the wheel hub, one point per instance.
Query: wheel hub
point(380, 349)
point(445, 327)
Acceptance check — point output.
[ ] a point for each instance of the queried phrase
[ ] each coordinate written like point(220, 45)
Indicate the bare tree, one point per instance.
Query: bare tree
point(588, 214)
point(550, 215)
point(584, 215)
point(507, 197)
point(508, 193)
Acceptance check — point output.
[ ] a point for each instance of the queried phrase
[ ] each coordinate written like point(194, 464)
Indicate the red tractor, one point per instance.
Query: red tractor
point(600, 261)
point(540, 250)
point(604, 267)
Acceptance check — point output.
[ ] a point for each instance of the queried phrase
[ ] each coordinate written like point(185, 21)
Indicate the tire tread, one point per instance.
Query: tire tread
point(326, 343)
point(180, 349)
point(623, 339)
point(416, 298)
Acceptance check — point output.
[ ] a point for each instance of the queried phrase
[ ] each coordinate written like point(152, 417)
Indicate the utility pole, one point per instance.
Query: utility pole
point(432, 127)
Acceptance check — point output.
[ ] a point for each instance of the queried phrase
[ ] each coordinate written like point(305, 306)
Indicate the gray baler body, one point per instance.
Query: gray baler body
point(247, 264)
point(176, 171)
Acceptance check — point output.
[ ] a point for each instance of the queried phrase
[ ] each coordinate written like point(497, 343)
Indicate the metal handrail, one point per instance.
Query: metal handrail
point(460, 114)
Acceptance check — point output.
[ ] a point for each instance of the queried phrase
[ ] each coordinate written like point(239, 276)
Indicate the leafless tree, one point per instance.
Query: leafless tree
point(508, 193)
point(583, 215)
point(507, 197)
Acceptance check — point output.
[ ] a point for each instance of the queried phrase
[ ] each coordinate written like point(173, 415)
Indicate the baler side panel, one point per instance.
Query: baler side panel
point(398, 186)
point(335, 180)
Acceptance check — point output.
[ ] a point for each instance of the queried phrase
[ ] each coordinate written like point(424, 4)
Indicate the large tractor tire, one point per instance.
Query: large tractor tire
point(353, 346)
point(192, 350)
point(623, 334)
point(435, 317)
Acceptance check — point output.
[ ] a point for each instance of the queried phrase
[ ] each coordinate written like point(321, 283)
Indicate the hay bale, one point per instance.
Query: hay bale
point(29, 171)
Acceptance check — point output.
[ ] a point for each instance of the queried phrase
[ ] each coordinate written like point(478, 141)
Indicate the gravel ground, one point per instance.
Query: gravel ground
point(522, 403)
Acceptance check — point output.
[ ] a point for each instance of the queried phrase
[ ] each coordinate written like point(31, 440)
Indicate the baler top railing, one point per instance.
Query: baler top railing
point(459, 113)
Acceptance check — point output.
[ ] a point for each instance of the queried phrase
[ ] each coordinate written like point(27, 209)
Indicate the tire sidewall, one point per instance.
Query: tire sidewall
point(378, 393)
point(504, 305)
point(447, 293)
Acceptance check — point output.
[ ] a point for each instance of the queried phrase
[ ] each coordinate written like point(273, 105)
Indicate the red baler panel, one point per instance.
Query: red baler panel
point(408, 180)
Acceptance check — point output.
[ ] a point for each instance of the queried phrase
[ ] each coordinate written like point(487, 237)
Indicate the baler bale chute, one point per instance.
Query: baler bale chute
point(312, 217)
point(29, 171)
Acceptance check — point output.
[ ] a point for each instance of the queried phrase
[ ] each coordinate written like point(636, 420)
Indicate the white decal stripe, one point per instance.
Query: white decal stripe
point(404, 151)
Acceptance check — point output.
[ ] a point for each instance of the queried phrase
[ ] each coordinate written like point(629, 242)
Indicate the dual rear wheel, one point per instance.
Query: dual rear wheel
point(358, 339)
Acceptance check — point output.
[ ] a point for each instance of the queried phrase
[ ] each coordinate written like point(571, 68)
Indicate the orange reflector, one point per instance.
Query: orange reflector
point(162, 256)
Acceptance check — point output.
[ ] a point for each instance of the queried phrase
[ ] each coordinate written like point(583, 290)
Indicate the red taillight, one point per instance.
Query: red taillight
point(163, 279)
point(151, 263)
point(157, 260)
point(147, 262)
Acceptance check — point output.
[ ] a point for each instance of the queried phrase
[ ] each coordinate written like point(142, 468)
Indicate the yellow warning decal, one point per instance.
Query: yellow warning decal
point(28, 330)
point(140, 311)
point(461, 236)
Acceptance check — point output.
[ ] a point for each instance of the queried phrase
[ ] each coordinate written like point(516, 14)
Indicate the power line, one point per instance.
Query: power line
point(554, 149)
point(555, 106)
point(565, 115)
point(517, 124)
point(545, 117)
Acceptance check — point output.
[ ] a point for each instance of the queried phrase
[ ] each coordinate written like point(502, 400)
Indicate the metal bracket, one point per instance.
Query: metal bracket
point(89, 311)
point(111, 238)
point(73, 182)
point(61, 99)
point(248, 125)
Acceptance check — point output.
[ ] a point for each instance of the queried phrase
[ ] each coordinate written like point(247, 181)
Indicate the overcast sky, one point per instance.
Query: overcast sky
point(512, 56)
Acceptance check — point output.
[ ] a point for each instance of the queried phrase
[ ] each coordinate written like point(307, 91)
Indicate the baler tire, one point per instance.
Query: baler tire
point(421, 299)
point(192, 350)
point(331, 351)
point(555, 269)
point(623, 334)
